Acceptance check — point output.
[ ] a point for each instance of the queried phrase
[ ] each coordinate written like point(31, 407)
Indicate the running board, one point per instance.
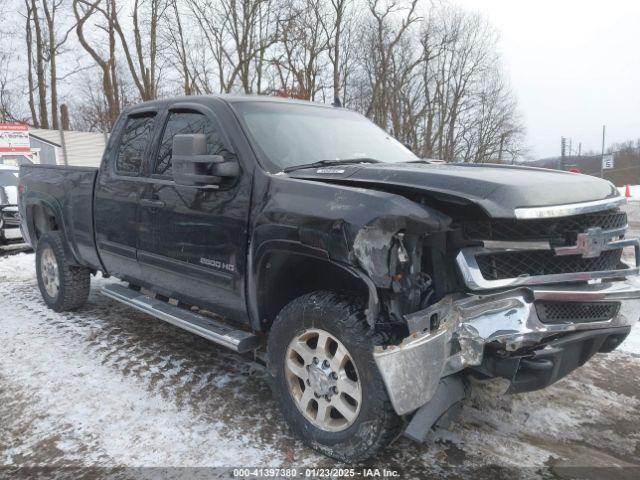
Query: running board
point(206, 327)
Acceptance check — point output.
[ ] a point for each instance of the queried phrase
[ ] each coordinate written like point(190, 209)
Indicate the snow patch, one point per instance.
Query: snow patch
point(631, 344)
point(134, 427)
point(17, 268)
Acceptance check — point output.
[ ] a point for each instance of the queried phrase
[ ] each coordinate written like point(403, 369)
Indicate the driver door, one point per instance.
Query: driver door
point(193, 242)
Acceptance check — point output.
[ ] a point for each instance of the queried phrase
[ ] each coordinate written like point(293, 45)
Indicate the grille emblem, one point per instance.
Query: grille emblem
point(589, 244)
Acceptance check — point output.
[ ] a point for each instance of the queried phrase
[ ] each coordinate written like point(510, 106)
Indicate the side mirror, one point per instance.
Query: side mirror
point(192, 166)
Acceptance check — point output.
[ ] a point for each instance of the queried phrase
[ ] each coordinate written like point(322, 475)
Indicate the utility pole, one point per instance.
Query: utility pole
point(63, 144)
point(602, 157)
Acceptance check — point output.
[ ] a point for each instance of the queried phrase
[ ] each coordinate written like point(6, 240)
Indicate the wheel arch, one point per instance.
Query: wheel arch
point(285, 270)
point(44, 216)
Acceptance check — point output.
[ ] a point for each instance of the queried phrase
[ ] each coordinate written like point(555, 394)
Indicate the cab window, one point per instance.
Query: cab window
point(133, 144)
point(180, 123)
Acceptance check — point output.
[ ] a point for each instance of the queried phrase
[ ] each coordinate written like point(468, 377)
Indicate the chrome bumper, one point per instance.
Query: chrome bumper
point(9, 223)
point(412, 370)
point(10, 233)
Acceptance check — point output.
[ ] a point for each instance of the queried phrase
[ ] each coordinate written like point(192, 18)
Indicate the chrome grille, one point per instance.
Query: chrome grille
point(498, 266)
point(534, 251)
point(565, 228)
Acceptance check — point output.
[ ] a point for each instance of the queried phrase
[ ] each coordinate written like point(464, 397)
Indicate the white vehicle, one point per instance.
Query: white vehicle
point(9, 216)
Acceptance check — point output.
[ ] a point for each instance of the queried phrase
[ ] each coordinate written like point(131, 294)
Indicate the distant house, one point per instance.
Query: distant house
point(81, 148)
point(47, 149)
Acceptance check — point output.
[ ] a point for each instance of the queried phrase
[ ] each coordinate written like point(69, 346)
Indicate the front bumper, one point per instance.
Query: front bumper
point(464, 331)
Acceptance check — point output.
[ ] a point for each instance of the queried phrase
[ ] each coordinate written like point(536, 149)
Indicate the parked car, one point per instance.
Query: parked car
point(372, 283)
point(9, 215)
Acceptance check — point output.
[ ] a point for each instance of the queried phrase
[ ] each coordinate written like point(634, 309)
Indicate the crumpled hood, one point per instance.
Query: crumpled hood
point(498, 189)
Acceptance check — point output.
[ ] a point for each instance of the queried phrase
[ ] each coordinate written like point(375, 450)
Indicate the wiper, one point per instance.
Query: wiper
point(322, 163)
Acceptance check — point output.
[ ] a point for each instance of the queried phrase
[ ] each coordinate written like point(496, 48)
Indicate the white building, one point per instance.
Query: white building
point(82, 149)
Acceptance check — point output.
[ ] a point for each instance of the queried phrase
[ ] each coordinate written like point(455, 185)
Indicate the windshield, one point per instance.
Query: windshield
point(289, 134)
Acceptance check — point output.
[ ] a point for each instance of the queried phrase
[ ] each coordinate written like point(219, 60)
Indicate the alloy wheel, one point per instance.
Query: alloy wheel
point(323, 380)
point(49, 272)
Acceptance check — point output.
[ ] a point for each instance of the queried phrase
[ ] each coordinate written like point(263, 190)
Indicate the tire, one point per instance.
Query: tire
point(349, 439)
point(53, 265)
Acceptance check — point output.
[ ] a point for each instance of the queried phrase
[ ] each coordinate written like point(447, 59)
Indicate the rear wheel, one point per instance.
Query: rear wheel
point(320, 355)
point(63, 285)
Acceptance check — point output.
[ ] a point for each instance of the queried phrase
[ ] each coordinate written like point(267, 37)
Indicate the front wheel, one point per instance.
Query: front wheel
point(63, 285)
point(320, 355)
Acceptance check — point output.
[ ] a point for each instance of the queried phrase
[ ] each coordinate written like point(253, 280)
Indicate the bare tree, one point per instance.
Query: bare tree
point(43, 46)
point(29, 43)
point(35, 39)
point(105, 18)
point(339, 9)
point(54, 45)
point(383, 40)
point(237, 34)
point(91, 112)
point(430, 76)
point(470, 113)
point(339, 23)
point(179, 47)
point(9, 107)
point(142, 59)
point(6, 106)
point(493, 133)
point(301, 47)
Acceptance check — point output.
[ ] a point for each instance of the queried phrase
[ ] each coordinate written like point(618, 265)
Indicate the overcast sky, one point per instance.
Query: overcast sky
point(574, 66)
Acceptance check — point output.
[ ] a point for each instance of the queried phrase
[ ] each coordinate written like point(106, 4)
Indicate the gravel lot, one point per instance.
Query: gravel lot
point(110, 387)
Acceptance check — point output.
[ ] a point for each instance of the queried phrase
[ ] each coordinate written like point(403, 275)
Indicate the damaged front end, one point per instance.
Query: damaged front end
point(529, 311)
point(392, 252)
point(504, 335)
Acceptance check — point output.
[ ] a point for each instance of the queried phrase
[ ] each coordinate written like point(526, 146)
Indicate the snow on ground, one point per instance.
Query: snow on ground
point(109, 386)
point(107, 412)
point(634, 190)
point(632, 342)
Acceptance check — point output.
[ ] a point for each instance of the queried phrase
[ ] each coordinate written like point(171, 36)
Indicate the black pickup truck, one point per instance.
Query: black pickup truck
point(376, 287)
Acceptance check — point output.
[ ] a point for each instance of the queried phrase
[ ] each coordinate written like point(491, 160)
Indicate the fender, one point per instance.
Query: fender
point(258, 255)
point(51, 204)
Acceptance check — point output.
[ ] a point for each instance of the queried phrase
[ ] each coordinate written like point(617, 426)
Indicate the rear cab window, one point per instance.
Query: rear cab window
point(134, 141)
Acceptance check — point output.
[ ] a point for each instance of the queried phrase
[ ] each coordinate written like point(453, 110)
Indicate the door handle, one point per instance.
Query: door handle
point(146, 202)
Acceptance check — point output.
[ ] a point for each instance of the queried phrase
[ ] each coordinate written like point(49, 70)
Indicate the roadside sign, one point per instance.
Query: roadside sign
point(607, 161)
point(14, 137)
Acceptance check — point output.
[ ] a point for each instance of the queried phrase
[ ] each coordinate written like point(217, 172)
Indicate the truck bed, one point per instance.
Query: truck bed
point(68, 192)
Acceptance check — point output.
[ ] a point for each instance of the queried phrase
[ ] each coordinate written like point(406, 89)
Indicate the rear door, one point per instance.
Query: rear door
point(117, 193)
point(193, 246)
